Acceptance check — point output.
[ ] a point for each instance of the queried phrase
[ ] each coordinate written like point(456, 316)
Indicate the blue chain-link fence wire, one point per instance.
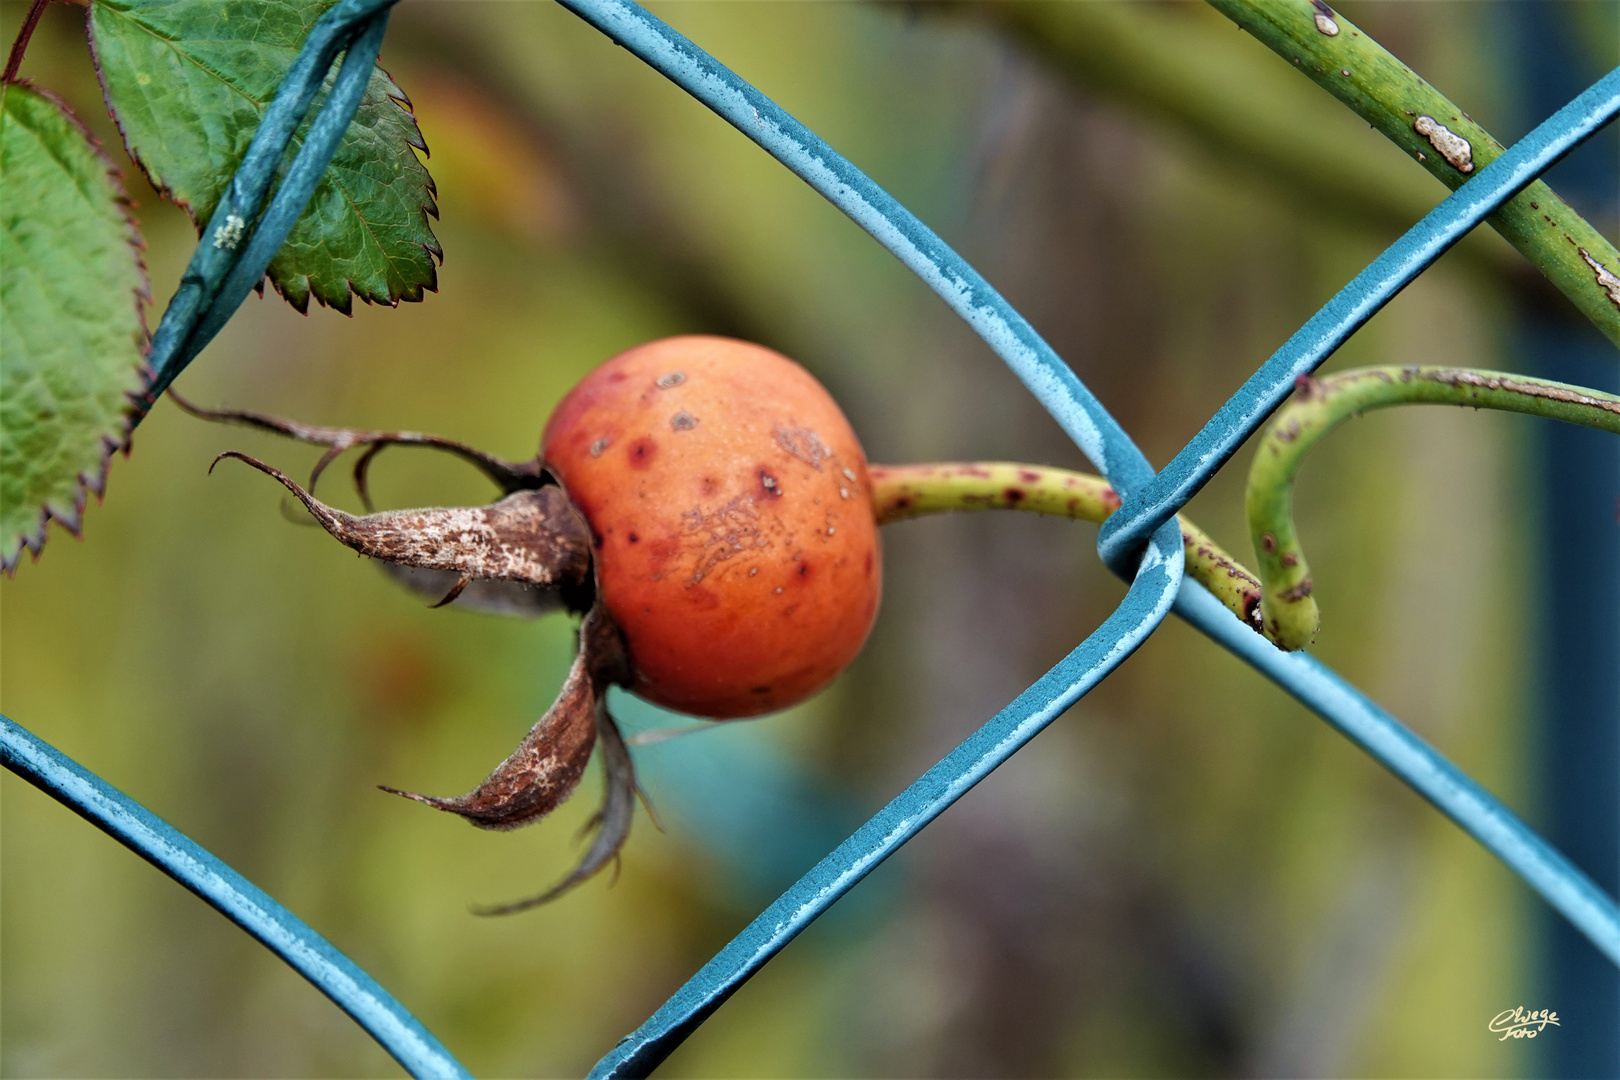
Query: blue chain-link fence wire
point(1141, 542)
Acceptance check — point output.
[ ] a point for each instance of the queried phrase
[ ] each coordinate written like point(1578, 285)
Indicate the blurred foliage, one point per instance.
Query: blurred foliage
point(1188, 875)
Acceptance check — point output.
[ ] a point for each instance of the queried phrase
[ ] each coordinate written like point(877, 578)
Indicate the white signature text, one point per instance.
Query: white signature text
point(1521, 1023)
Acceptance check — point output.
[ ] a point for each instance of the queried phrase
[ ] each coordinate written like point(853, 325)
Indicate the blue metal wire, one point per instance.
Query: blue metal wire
point(1144, 511)
point(305, 173)
point(1080, 414)
point(1563, 885)
point(1144, 607)
point(232, 895)
point(220, 276)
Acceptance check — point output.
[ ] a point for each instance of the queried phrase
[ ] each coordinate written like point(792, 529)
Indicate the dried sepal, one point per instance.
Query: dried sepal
point(535, 537)
point(545, 768)
point(509, 476)
point(611, 823)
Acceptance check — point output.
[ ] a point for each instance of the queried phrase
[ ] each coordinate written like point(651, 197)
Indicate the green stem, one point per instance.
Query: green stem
point(1318, 406)
point(908, 491)
point(1354, 68)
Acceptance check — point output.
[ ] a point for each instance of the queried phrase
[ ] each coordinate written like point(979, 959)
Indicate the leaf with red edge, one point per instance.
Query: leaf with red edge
point(72, 332)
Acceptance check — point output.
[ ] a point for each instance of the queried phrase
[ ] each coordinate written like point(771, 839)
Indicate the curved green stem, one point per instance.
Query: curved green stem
point(907, 491)
point(1318, 406)
point(1354, 68)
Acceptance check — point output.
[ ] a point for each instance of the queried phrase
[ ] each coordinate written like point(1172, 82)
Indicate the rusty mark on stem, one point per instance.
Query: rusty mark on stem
point(1606, 279)
point(1453, 147)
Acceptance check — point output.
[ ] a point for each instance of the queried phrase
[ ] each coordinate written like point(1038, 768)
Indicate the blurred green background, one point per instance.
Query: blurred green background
point(1187, 875)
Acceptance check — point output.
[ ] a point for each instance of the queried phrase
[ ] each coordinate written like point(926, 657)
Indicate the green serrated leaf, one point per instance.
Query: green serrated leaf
point(189, 80)
point(72, 336)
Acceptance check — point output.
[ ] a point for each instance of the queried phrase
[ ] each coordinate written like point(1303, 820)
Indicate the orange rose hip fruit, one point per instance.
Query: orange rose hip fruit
point(731, 517)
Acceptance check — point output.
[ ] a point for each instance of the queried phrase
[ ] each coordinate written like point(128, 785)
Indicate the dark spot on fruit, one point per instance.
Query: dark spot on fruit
point(1027, 476)
point(902, 503)
point(1290, 559)
point(769, 485)
point(869, 563)
point(804, 569)
point(641, 452)
point(709, 486)
point(1013, 495)
point(760, 690)
point(702, 598)
point(671, 380)
point(683, 421)
point(1268, 543)
point(634, 539)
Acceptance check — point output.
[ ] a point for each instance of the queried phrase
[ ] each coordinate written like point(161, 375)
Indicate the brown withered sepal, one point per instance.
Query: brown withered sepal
point(534, 537)
point(529, 552)
point(548, 763)
point(545, 768)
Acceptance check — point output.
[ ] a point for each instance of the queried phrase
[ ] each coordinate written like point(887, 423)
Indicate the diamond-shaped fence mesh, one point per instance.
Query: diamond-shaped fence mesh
point(1141, 541)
